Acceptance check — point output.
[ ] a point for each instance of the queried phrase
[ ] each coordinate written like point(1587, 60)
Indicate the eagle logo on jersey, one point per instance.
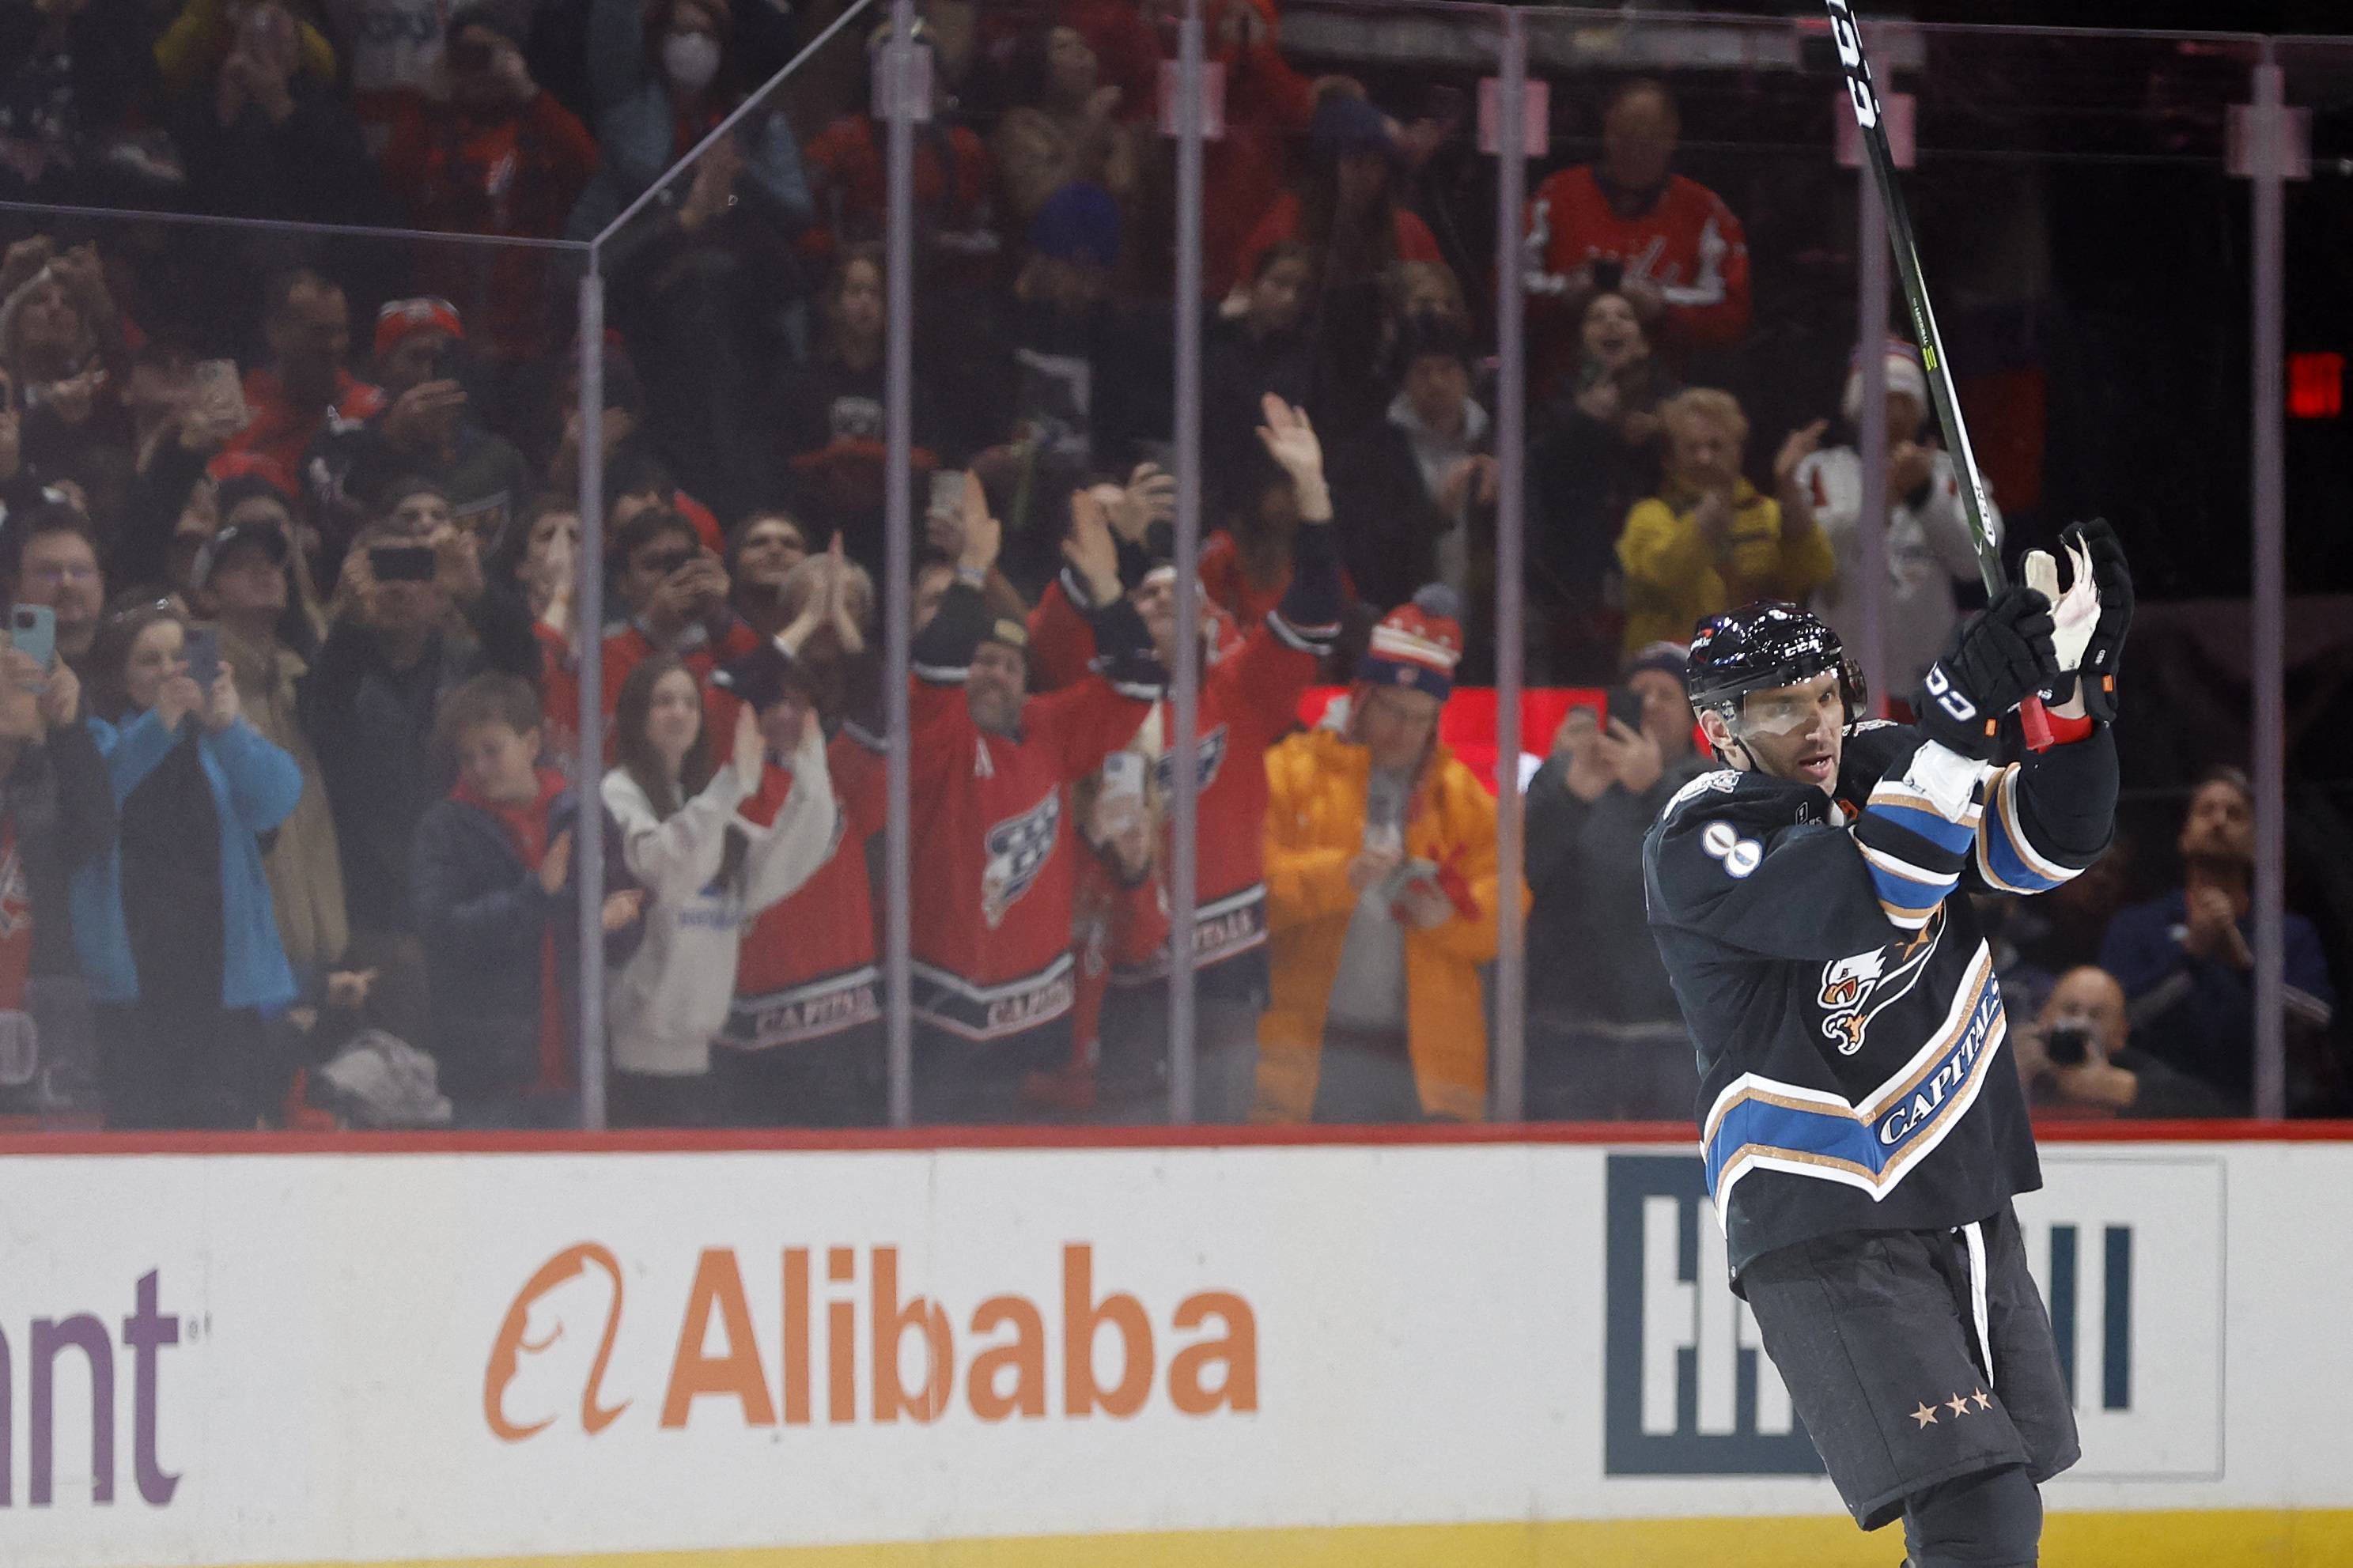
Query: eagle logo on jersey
point(1858, 989)
point(1018, 848)
point(1207, 759)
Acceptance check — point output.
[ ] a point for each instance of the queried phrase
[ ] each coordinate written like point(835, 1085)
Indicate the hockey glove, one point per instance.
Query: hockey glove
point(1995, 662)
point(2113, 579)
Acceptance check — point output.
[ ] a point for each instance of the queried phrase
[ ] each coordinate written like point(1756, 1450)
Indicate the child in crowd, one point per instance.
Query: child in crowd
point(491, 885)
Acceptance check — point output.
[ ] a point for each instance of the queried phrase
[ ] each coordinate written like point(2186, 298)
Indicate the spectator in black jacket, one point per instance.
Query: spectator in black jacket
point(492, 893)
point(429, 427)
point(263, 137)
point(49, 556)
point(1419, 488)
point(56, 815)
point(75, 76)
point(1605, 1039)
point(1595, 454)
point(393, 649)
point(1264, 349)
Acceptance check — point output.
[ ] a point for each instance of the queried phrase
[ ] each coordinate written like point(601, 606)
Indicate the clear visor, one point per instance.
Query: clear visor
point(1792, 709)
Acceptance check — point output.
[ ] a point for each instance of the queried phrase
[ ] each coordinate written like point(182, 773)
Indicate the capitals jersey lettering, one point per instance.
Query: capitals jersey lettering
point(993, 866)
point(807, 968)
point(1843, 1001)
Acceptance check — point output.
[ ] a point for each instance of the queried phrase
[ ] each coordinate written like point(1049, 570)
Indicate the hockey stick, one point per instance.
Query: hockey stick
point(1974, 503)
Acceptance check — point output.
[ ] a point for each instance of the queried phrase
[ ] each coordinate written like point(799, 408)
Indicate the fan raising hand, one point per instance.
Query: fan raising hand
point(1289, 440)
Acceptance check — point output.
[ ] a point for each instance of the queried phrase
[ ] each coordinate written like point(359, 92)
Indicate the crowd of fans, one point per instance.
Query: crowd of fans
point(291, 821)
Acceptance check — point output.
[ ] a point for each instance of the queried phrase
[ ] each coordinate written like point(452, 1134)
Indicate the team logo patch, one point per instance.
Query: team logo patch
point(1723, 842)
point(1018, 848)
point(1207, 759)
point(1856, 990)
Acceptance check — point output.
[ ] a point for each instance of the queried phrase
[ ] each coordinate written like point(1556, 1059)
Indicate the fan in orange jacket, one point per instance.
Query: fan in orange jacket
point(1342, 881)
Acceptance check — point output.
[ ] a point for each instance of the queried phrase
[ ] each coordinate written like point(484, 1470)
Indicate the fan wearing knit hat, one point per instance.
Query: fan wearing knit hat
point(1928, 549)
point(1381, 891)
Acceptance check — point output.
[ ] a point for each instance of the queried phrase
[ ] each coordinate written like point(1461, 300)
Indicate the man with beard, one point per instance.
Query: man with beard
point(2188, 964)
point(992, 842)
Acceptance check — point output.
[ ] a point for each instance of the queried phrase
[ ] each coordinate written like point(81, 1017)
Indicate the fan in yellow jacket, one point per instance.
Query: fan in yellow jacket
point(1709, 540)
point(1381, 898)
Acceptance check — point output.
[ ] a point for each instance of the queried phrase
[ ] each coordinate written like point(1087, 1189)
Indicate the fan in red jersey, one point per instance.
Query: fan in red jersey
point(994, 862)
point(1251, 688)
point(1629, 226)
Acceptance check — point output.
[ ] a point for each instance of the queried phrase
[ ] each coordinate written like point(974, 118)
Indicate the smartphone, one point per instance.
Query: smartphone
point(401, 562)
point(33, 629)
point(204, 658)
point(1623, 704)
point(947, 492)
point(1609, 276)
point(1119, 802)
point(1403, 880)
point(219, 394)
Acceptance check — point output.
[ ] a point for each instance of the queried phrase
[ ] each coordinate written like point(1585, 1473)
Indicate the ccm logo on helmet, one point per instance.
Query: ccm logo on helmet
point(1740, 856)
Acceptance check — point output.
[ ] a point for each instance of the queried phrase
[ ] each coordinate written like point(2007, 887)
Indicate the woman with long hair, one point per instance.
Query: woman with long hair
point(706, 870)
point(174, 926)
point(1346, 209)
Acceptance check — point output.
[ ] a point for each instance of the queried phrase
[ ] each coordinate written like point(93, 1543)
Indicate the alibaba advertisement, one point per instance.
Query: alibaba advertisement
point(1361, 1355)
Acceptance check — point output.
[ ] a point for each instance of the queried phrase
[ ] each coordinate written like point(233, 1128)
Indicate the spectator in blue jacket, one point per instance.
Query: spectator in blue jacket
point(2186, 961)
point(173, 924)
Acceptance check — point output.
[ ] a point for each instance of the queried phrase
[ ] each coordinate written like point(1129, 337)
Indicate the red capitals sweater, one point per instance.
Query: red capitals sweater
point(994, 860)
point(1250, 700)
point(808, 967)
point(1687, 243)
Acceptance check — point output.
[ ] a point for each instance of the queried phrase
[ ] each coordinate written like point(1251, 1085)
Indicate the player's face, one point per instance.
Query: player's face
point(1796, 731)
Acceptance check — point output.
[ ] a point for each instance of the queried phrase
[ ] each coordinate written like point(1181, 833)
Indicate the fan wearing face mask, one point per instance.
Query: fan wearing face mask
point(662, 74)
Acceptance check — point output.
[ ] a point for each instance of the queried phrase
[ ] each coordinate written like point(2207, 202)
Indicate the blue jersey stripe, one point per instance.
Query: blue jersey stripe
point(1869, 1146)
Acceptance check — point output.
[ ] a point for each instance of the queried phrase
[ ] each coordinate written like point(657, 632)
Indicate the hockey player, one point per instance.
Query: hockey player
point(992, 837)
point(1863, 1133)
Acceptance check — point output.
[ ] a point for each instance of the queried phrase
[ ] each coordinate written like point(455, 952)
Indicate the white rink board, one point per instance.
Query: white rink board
point(1376, 1335)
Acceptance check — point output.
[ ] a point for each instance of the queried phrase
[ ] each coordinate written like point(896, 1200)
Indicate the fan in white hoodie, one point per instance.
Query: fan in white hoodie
point(666, 1002)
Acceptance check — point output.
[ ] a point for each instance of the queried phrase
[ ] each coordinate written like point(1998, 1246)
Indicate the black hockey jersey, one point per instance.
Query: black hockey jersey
point(1844, 1004)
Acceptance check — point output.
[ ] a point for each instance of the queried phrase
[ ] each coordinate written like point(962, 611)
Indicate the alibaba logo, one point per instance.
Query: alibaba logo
point(513, 1343)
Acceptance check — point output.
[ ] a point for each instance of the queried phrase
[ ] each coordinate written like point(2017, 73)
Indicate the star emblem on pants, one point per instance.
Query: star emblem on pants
point(1958, 1404)
point(1984, 1400)
point(1926, 1414)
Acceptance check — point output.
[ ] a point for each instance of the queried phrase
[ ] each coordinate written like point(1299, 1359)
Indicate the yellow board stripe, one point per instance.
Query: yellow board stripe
point(2244, 1538)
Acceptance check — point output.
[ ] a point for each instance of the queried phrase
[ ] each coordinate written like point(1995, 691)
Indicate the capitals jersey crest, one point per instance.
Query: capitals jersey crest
point(1207, 759)
point(1857, 989)
point(1018, 848)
